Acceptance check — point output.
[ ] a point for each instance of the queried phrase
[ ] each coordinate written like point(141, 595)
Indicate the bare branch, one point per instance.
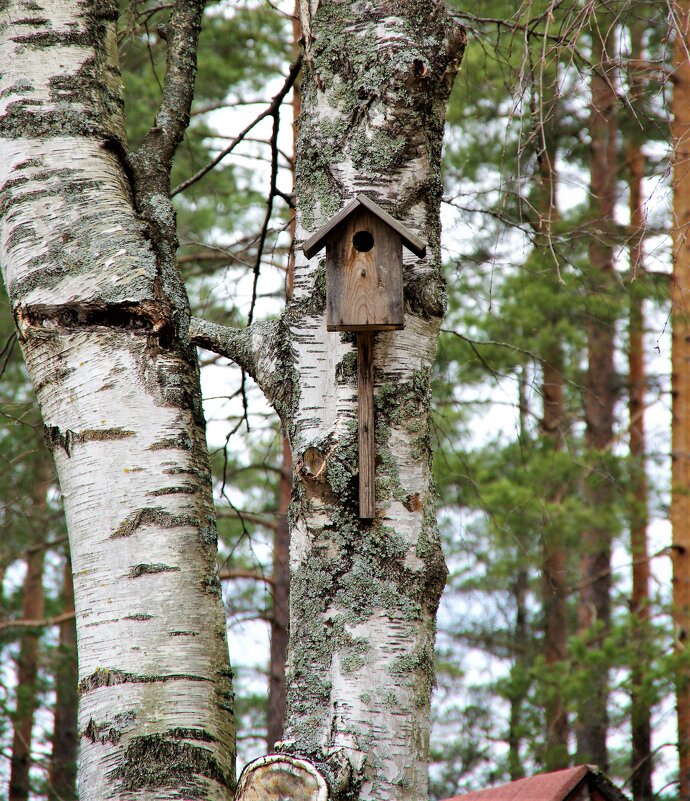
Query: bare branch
point(253, 348)
point(172, 119)
point(269, 111)
point(22, 623)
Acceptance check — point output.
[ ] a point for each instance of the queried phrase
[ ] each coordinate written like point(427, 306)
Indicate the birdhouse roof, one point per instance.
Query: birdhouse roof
point(317, 241)
point(582, 783)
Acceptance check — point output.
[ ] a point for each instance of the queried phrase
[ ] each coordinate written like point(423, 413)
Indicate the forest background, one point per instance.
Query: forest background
point(558, 640)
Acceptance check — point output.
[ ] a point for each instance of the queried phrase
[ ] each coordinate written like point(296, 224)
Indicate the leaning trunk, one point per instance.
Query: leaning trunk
point(102, 318)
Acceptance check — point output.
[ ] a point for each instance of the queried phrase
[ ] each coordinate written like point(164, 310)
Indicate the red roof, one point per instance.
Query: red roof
point(556, 786)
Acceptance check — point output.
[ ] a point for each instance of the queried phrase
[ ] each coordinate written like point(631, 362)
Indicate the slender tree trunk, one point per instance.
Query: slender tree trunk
point(599, 398)
point(88, 260)
point(280, 618)
point(62, 773)
point(280, 621)
point(554, 576)
point(680, 380)
point(518, 678)
point(641, 713)
point(33, 607)
point(553, 426)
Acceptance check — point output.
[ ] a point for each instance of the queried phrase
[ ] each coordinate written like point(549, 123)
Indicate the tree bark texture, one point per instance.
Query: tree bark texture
point(102, 319)
point(599, 400)
point(364, 594)
point(680, 380)
point(62, 772)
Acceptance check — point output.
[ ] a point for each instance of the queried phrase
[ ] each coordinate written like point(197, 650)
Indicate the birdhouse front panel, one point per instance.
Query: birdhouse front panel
point(364, 287)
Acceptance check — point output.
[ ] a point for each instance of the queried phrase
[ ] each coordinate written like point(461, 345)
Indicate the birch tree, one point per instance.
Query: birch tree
point(87, 237)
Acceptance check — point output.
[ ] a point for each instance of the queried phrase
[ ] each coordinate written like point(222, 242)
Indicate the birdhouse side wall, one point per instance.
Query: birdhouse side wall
point(364, 287)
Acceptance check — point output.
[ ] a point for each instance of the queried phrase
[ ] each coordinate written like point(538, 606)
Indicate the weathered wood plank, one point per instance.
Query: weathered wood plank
point(367, 445)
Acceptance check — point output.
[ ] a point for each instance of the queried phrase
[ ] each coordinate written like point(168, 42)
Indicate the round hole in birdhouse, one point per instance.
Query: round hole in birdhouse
point(363, 241)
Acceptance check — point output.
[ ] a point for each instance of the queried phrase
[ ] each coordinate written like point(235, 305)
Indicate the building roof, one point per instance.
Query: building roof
point(318, 240)
point(572, 784)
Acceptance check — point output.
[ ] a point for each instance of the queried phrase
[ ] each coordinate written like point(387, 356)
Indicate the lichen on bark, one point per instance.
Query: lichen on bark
point(364, 594)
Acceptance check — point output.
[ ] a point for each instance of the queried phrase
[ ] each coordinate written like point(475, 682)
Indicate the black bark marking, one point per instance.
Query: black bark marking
point(184, 489)
point(109, 678)
point(146, 317)
point(155, 516)
point(181, 443)
point(149, 569)
point(138, 616)
point(161, 760)
point(109, 731)
point(55, 438)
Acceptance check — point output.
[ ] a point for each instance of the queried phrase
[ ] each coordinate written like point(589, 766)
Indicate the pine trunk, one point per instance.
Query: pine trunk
point(680, 381)
point(102, 318)
point(553, 426)
point(599, 400)
point(33, 606)
point(641, 713)
point(62, 773)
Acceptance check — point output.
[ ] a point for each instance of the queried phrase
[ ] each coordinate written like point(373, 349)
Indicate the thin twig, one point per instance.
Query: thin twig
point(267, 112)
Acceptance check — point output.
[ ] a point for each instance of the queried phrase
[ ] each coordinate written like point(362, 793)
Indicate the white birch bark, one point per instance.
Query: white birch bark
point(119, 394)
point(364, 595)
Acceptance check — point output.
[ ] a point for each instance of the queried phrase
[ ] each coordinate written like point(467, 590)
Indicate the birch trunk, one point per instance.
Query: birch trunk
point(364, 594)
point(102, 320)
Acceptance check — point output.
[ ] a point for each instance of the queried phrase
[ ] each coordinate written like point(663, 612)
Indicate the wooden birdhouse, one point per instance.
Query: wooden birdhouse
point(364, 293)
point(364, 278)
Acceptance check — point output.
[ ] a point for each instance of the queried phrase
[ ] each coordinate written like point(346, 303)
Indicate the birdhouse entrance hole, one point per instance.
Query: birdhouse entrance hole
point(363, 241)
